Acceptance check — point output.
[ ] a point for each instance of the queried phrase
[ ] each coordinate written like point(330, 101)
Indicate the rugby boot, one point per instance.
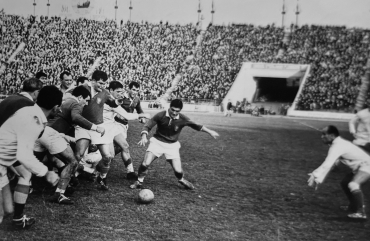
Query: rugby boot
point(23, 222)
point(186, 184)
point(61, 199)
point(137, 185)
point(360, 215)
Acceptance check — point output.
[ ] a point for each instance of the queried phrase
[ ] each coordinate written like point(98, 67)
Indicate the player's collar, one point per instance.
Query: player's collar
point(168, 115)
point(27, 95)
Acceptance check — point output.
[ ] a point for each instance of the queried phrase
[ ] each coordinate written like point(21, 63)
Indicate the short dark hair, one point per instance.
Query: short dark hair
point(332, 130)
point(64, 73)
point(81, 91)
point(134, 83)
point(41, 74)
point(177, 103)
point(49, 97)
point(99, 75)
point(115, 85)
point(32, 84)
point(81, 80)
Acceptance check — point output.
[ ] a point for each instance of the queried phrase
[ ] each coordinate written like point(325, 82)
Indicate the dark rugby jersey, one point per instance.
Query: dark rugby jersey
point(168, 130)
point(129, 106)
point(93, 112)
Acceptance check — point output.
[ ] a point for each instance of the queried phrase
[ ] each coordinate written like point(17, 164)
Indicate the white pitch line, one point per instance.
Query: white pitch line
point(307, 125)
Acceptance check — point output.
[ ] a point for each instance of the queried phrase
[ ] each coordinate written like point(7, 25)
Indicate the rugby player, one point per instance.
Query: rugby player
point(130, 103)
point(358, 160)
point(118, 130)
point(165, 141)
point(93, 112)
point(21, 123)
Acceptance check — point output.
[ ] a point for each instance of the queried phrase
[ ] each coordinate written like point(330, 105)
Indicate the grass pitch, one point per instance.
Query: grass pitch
point(250, 185)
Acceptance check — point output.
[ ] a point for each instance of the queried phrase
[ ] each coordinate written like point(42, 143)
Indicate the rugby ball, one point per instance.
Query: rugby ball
point(145, 196)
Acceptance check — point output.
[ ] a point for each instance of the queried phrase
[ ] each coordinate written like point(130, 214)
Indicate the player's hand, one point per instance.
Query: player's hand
point(100, 130)
point(214, 134)
point(52, 178)
point(143, 141)
point(69, 139)
point(312, 181)
point(142, 120)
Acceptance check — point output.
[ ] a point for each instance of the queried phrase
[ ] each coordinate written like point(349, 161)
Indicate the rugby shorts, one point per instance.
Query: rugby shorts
point(93, 136)
point(3, 177)
point(52, 141)
point(169, 150)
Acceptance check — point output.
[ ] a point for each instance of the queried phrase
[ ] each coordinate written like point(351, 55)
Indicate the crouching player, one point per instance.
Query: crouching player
point(165, 141)
point(21, 123)
point(352, 156)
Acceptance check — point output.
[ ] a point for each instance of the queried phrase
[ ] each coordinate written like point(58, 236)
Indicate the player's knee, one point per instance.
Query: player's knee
point(353, 186)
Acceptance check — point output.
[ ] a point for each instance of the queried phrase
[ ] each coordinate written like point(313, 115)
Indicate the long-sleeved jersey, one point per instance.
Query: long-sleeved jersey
point(347, 153)
point(17, 138)
point(69, 116)
point(168, 129)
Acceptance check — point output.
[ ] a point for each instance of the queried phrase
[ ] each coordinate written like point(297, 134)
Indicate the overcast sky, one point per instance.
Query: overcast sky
point(352, 13)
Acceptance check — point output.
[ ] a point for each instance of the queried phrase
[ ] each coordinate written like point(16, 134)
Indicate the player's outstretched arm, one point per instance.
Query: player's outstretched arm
point(212, 133)
point(143, 140)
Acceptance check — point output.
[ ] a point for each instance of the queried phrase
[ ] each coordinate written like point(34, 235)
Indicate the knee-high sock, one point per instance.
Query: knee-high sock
point(344, 184)
point(179, 175)
point(20, 197)
point(358, 199)
point(143, 170)
point(65, 177)
point(128, 164)
point(104, 166)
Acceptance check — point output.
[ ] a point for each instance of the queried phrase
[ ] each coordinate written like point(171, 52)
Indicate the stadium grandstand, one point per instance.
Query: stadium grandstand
point(150, 53)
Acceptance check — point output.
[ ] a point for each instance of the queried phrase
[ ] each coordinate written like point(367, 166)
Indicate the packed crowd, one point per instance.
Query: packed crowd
point(151, 54)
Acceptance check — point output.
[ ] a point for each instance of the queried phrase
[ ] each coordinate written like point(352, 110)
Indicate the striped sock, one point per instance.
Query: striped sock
point(20, 197)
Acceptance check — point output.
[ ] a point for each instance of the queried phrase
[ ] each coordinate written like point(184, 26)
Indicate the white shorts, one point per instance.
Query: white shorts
point(170, 150)
point(51, 141)
point(93, 136)
point(115, 128)
point(365, 169)
point(3, 177)
point(123, 129)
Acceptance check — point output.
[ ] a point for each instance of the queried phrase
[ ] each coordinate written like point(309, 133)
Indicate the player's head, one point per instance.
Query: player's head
point(175, 108)
point(41, 76)
point(328, 134)
point(116, 89)
point(65, 79)
point(32, 86)
point(98, 80)
point(82, 94)
point(50, 98)
point(134, 88)
point(82, 80)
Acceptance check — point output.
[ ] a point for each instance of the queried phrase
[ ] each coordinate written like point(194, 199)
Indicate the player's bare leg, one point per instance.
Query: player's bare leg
point(104, 165)
point(21, 192)
point(355, 186)
point(177, 168)
point(143, 169)
point(6, 202)
point(121, 141)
